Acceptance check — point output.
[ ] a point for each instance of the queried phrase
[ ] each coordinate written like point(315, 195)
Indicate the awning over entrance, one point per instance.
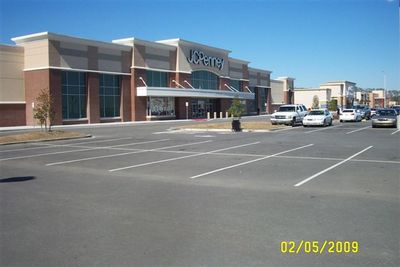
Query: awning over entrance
point(195, 93)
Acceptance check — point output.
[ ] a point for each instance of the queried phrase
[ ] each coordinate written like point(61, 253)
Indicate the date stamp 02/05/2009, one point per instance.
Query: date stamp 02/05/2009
point(319, 247)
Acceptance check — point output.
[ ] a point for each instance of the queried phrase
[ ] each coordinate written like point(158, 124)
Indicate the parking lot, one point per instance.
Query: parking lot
point(140, 195)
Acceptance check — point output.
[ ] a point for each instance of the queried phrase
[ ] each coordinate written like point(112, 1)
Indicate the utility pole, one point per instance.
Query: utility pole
point(384, 89)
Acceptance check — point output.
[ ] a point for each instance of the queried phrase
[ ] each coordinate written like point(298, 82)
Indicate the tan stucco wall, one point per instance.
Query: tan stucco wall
point(305, 97)
point(277, 90)
point(74, 53)
point(11, 74)
point(36, 54)
point(335, 89)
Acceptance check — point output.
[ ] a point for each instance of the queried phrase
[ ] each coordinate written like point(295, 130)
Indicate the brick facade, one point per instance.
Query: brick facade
point(139, 103)
point(12, 115)
point(180, 107)
point(125, 109)
point(93, 98)
point(37, 80)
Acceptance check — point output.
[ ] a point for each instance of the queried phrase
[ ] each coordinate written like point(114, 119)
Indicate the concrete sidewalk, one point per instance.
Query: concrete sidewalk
point(109, 124)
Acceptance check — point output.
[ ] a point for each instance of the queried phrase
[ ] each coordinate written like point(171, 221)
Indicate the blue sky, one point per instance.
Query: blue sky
point(312, 40)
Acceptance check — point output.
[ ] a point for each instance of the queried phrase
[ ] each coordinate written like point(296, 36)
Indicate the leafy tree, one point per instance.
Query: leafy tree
point(332, 105)
point(44, 110)
point(315, 102)
point(237, 108)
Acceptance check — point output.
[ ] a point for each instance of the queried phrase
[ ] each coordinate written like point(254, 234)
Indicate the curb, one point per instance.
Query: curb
point(224, 130)
point(46, 140)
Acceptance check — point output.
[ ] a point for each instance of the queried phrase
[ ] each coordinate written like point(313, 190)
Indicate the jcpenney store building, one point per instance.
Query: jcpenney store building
point(126, 80)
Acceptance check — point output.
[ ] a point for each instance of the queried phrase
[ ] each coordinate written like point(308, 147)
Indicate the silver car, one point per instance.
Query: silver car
point(385, 117)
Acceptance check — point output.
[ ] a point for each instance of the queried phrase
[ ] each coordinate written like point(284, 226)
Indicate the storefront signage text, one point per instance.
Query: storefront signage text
point(197, 57)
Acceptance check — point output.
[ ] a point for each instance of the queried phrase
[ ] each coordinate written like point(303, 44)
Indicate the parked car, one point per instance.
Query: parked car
point(289, 115)
point(385, 117)
point(373, 112)
point(365, 111)
point(350, 115)
point(321, 117)
point(397, 108)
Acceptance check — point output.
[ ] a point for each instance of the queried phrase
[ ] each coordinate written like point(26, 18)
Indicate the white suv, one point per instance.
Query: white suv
point(289, 115)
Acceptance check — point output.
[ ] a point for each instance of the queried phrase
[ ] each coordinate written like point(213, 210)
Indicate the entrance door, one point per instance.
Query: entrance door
point(200, 107)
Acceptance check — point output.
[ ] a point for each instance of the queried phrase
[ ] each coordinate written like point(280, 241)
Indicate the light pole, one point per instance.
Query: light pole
point(384, 89)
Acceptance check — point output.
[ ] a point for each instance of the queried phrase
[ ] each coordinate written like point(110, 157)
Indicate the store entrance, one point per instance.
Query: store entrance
point(200, 107)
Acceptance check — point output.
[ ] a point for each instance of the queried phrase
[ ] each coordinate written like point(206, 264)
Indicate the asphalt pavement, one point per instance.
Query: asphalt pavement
point(143, 195)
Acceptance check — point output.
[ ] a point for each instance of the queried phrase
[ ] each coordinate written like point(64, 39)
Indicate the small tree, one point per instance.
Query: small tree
point(236, 110)
point(315, 102)
point(44, 110)
point(332, 105)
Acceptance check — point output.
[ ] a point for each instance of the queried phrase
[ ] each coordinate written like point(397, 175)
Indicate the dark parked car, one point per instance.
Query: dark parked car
point(385, 117)
point(365, 111)
point(397, 108)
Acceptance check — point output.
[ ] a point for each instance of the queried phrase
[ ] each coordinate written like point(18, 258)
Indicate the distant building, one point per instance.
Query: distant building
point(362, 98)
point(282, 92)
point(342, 91)
point(306, 96)
point(377, 98)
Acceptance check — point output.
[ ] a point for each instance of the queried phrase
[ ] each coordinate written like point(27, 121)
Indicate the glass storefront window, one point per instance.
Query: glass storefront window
point(157, 78)
point(236, 84)
point(160, 106)
point(202, 79)
point(73, 86)
point(110, 95)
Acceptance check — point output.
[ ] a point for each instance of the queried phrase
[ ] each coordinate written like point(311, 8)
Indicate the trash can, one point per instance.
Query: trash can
point(236, 126)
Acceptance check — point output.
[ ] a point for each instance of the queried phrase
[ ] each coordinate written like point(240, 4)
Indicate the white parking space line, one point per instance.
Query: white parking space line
point(281, 157)
point(118, 146)
point(395, 132)
point(122, 154)
point(80, 150)
point(357, 130)
point(284, 129)
point(248, 162)
point(332, 167)
point(323, 129)
point(42, 145)
point(98, 141)
point(183, 157)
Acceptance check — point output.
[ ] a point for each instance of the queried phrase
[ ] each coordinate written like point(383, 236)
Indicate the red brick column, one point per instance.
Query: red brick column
point(180, 102)
point(56, 94)
point(269, 104)
point(222, 82)
point(125, 109)
point(37, 80)
point(180, 107)
point(244, 84)
point(93, 99)
point(139, 104)
point(181, 77)
point(225, 105)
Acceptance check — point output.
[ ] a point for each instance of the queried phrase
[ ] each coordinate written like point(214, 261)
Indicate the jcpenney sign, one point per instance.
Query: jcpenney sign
point(197, 57)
